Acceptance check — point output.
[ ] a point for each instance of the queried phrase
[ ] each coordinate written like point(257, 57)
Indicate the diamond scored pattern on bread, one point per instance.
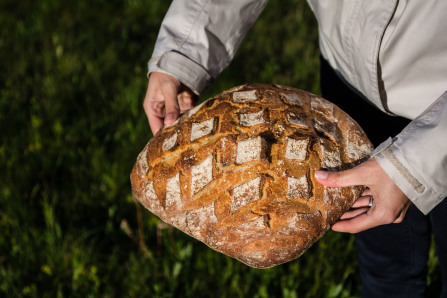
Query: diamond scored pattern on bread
point(237, 172)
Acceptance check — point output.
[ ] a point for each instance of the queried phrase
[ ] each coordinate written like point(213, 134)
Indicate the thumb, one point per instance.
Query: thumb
point(351, 177)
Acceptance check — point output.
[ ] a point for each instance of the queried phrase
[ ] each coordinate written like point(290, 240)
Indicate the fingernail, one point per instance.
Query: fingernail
point(169, 118)
point(321, 175)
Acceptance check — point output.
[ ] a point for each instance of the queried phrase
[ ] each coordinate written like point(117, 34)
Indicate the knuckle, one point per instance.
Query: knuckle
point(154, 108)
point(186, 101)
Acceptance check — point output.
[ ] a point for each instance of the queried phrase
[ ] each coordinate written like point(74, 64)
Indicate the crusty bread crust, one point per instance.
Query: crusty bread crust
point(237, 172)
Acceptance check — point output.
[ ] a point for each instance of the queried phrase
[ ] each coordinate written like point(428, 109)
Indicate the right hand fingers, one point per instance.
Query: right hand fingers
point(186, 99)
point(160, 103)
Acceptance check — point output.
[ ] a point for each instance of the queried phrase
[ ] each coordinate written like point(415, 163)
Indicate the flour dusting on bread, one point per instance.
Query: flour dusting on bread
point(237, 172)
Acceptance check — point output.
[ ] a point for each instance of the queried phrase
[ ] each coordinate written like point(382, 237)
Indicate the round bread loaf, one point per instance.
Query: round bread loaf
point(237, 172)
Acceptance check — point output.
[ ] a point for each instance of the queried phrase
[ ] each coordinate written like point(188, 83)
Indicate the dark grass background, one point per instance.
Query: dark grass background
point(72, 82)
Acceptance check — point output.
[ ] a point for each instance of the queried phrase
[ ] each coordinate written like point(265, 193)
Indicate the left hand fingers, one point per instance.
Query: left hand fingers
point(363, 201)
point(367, 192)
point(353, 213)
point(379, 213)
point(389, 205)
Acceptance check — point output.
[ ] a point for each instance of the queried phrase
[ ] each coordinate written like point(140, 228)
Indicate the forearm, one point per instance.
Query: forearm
point(198, 39)
point(416, 160)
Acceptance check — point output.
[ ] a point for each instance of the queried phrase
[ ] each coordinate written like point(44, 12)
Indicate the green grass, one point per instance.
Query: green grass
point(72, 81)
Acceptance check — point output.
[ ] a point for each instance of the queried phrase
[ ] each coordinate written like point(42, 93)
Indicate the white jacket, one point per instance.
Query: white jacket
point(394, 52)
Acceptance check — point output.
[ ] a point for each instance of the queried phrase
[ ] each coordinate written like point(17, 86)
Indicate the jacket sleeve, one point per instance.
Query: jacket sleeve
point(198, 38)
point(416, 159)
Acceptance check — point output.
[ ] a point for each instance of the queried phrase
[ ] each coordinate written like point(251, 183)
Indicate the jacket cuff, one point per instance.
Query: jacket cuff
point(188, 72)
point(410, 183)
